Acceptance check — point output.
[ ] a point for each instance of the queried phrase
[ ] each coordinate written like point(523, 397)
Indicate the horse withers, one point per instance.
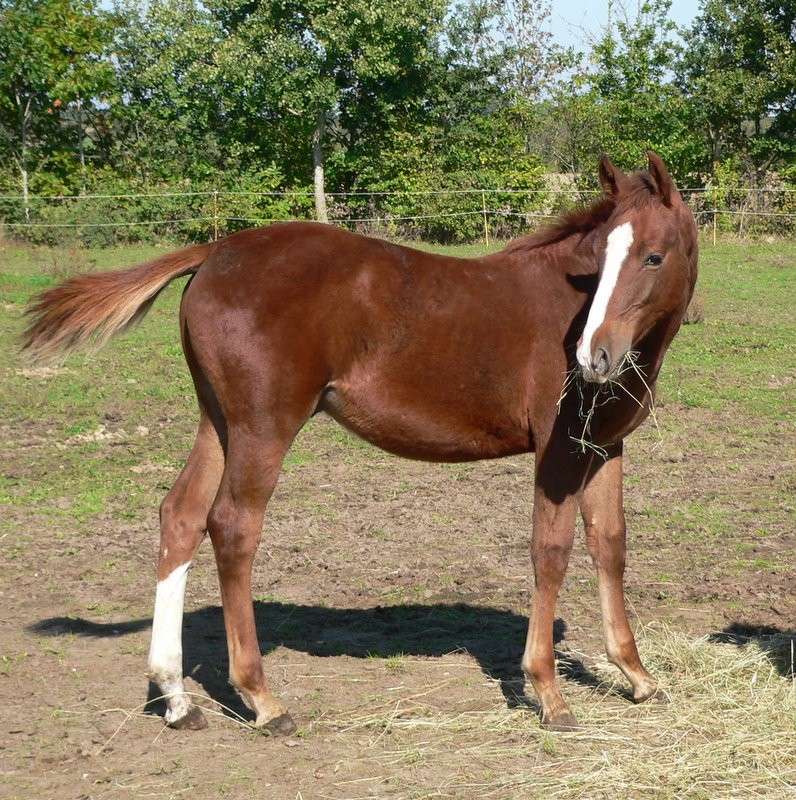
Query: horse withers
point(551, 346)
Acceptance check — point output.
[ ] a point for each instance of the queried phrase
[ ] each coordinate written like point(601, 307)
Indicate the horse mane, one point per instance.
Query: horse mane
point(638, 191)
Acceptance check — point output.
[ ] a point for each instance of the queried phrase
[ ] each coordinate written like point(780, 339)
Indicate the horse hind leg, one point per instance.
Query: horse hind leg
point(183, 521)
point(235, 523)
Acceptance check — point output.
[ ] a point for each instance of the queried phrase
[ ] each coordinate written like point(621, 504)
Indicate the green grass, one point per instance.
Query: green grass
point(742, 359)
point(744, 353)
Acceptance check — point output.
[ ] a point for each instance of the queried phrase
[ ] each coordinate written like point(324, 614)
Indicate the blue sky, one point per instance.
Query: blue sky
point(574, 21)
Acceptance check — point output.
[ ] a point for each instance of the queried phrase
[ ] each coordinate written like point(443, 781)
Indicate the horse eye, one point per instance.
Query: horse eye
point(653, 260)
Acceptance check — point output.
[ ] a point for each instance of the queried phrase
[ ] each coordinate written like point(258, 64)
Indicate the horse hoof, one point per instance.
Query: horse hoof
point(564, 721)
point(654, 696)
point(194, 720)
point(282, 725)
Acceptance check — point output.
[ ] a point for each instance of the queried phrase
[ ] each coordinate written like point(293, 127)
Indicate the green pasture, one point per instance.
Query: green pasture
point(741, 361)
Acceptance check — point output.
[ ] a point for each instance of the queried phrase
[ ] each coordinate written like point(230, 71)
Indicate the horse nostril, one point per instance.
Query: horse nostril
point(601, 364)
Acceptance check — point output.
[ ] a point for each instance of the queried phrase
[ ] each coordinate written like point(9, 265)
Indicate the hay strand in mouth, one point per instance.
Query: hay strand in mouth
point(569, 379)
point(586, 415)
point(603, 394)
point(631, 357)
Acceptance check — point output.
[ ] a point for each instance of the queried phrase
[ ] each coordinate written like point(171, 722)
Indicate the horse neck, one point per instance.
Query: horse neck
point(571, 256)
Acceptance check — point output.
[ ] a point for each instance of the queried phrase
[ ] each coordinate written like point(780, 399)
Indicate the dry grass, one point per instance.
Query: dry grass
point(602, 394)
point(729, 732)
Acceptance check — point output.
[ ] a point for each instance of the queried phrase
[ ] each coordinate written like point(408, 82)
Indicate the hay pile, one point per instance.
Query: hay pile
point(729, 732)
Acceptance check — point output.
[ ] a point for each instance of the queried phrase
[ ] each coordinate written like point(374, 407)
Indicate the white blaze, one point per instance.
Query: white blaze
point(165, 652)
point(616, 250)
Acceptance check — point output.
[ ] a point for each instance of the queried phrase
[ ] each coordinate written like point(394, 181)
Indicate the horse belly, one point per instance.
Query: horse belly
point(426, 423)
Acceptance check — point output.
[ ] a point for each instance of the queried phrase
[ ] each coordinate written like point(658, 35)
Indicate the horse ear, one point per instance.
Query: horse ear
point(611, 177)
point(659, 173)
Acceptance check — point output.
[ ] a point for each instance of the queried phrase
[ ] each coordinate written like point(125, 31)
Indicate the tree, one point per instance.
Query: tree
point(533, 62)
point(739, 73)
point(331, 71)
point(51, 62)
point(573, 126)
point(171, 109)
point(499, 54)
point(633, 68)
point(622, 100)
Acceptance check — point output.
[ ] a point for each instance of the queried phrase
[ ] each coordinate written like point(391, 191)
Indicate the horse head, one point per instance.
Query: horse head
point(647, 256)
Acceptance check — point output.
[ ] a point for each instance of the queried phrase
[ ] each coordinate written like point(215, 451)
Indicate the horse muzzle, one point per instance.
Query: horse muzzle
point(602, 360)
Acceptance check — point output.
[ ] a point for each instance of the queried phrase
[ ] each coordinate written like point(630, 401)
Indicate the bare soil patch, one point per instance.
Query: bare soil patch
point(391, 605)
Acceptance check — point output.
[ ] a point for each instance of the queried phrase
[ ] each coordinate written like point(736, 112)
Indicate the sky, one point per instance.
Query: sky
point(573, 22)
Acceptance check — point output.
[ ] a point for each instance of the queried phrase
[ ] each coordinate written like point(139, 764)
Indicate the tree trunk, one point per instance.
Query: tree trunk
point(317, 163)
point(81, 149)
point(25, 199)
point(23, 152)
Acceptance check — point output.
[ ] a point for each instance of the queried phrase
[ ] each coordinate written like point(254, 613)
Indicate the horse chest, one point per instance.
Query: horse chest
point(617, 418)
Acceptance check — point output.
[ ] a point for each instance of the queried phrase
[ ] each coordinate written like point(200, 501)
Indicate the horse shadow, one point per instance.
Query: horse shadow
point(778, 645)
point(493, 637)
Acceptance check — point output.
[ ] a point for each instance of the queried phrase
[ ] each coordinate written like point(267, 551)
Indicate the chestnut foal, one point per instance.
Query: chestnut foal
point(427, 356)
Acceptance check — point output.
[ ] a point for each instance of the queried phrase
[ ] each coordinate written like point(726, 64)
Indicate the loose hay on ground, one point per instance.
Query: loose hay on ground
point(730, 731)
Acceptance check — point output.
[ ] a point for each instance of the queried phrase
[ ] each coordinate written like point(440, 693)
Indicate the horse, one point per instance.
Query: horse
point(551, 346)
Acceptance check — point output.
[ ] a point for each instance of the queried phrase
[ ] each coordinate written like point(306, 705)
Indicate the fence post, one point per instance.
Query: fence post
point(215, 216)
point(483, 208)
point(715, 212)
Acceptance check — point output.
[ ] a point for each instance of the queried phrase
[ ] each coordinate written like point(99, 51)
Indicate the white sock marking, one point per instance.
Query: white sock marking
point(616, 250)
point(165, 652)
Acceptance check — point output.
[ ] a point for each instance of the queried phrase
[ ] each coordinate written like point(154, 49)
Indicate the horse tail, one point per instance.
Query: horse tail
point(97, 306)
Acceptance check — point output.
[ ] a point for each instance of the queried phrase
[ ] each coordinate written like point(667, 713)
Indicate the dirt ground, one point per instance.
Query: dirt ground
point(391, 601)
point(404, 579)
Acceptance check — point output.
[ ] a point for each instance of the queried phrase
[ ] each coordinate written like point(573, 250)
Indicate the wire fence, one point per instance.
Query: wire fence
point(442, 215)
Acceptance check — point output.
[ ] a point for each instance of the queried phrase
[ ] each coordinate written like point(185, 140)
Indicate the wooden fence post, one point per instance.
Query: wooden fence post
point(483, 208)
point(714, 226)
point(215, 216)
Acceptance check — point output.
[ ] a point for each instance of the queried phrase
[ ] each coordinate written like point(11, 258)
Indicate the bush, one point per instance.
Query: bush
point(119, 210)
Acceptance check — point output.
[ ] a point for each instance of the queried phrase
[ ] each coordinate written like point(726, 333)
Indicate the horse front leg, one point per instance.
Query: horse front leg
point(604, 523)
point(554, 512)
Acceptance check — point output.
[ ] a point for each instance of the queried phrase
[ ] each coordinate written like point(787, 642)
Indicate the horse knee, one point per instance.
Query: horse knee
point(550, 560)
point(234, 532)
point(606, 547)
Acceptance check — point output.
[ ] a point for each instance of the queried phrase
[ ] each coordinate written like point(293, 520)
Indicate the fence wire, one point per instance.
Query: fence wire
point(444, 215)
